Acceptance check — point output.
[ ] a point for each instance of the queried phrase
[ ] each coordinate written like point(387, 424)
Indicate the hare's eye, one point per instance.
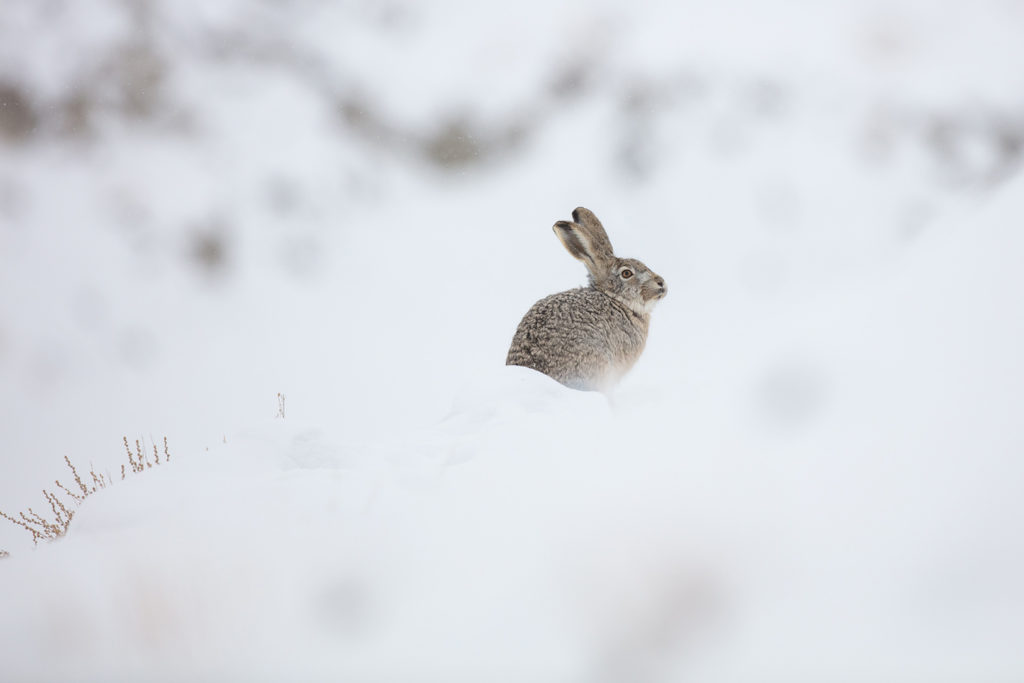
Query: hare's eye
point(626, 273)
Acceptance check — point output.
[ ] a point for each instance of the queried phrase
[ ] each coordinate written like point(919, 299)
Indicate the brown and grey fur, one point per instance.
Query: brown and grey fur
point(588, 338)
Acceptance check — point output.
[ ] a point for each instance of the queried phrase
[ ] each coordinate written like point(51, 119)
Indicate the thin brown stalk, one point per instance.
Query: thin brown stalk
point(144, 462)
point(66, 490)
point(78, 480)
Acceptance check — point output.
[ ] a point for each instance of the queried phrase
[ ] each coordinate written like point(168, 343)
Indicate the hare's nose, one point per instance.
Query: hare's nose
point(658, 281)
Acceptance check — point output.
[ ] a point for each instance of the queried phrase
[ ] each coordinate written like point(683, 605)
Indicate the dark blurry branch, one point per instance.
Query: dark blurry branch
point(967, 147)
point(18, 117)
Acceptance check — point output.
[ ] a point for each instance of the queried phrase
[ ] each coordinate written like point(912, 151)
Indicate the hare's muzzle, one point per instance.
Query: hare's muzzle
point(655, 288)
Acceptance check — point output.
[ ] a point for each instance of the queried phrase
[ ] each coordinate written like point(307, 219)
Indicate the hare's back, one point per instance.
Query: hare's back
point(580, 337)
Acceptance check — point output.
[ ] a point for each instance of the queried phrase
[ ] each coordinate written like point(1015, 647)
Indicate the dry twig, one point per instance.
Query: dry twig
point(42, 528)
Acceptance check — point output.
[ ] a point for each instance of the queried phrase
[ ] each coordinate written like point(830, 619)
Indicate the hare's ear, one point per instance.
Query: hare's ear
point(593, 227)
point(589, 246)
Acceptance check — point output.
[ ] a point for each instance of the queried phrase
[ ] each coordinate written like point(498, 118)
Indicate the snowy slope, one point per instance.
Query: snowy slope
point(538, 534)
point(813, 473)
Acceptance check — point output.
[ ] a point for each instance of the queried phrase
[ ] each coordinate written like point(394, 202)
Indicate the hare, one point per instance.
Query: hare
point(588, 338)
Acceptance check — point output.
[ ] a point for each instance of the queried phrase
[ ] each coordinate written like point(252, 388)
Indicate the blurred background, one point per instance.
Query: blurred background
point(203, 205)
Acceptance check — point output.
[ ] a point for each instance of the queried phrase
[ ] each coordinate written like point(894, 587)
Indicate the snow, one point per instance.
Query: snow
point(813, 473)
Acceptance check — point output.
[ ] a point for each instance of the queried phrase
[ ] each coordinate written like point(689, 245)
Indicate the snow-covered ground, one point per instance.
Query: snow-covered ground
point(814, 473)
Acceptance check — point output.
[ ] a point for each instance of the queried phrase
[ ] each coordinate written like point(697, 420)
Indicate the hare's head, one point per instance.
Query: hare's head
point(624, 279)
